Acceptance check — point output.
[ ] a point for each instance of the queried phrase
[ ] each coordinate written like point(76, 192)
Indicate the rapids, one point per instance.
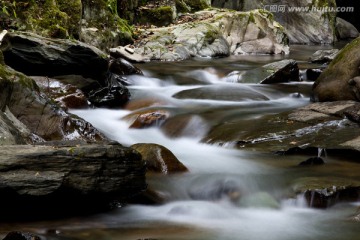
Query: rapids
point(194, 209)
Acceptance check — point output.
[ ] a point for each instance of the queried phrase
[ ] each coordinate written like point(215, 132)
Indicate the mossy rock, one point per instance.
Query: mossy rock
point(197, 5)
point(58, 18)
point(161, 16)
point(182, 7)
point(332, 85)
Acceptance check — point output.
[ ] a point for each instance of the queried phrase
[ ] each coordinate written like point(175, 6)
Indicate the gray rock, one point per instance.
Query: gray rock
point(345, 30)
point(301, 27)
point(324, 56)
point(216, 34)
point(35, 55)
point(121, 52)
point(55, 177)
point(277, 72)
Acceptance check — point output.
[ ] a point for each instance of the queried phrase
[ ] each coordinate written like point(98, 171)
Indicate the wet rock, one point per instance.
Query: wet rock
point(216, 34)
point(185, 125)
point(122, 67)
point(324, 56)
point(159, 159)
point(147, 118)
point(38, 56)
point(216, 190)
point(52, 179)
point(313, 74)
point(326, 192)
point(277, 72)
point(115, 95)
point(345, 30)
point(319, 125)
point(21, 236)
point(67, 96)
point(135, 104)
point(149, 197)
point(353, 114)
point(333, 83)
point(312, 161)
point(38, 113)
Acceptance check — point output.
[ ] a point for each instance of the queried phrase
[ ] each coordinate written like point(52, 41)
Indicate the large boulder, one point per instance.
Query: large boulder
point(38, 113)
point(53, 179)
point(216, 33)
point(338, 81)
point(345, 30)
point(35, 55)
point(302, 26)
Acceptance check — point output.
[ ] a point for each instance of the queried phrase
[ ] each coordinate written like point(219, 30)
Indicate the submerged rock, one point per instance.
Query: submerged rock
point(159, 159)
point(53, 179)
point(312, 161)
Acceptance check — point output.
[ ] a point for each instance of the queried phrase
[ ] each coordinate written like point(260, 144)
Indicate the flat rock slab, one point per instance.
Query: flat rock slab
point(51, 177)
point(318, 125)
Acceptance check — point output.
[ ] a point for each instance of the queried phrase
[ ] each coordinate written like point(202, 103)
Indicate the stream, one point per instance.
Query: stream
point(193, 209)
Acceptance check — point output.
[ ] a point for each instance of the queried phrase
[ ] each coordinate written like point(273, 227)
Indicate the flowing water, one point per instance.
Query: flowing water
point(197, 204)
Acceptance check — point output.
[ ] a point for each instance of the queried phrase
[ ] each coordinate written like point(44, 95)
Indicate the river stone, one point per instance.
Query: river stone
point(313, 74)
point(35, 55)
point(51, 179)
point(333, 83)
point(345, 30)
point(159, 159)
point(326, 192)
point(147, 118)
point(38, 113)
point(277, 72)
point(324, 56)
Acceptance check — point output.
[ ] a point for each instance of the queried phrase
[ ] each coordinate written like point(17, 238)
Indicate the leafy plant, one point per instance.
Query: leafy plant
point(112, 5)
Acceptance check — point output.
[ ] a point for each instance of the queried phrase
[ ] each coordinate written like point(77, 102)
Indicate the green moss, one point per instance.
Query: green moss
point(11, 76)
point(211, 35)
point(161, 16)
point(181, 6)
point(197, 5)
point(74, 10)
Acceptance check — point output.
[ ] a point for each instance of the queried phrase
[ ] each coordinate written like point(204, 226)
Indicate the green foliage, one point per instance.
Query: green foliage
point(112, 5)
